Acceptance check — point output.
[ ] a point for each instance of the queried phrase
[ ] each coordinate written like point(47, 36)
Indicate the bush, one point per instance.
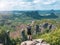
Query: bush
point(53, 37)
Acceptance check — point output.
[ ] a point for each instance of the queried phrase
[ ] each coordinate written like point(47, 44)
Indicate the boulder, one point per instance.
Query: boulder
point(35, 42)
point(1, 44)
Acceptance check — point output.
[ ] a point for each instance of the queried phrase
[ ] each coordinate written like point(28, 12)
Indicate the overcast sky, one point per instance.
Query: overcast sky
point(6, 5)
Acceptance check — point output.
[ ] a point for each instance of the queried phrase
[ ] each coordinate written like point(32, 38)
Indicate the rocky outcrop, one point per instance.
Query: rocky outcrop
point(1, 44)
point(35, 42)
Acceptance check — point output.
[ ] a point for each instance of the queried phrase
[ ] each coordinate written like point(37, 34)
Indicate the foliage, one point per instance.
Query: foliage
point(53, 37)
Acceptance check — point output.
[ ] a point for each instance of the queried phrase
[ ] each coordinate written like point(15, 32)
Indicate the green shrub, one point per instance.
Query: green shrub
point(53, 37)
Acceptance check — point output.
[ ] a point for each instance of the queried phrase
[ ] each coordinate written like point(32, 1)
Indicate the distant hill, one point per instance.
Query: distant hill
point(30, 15)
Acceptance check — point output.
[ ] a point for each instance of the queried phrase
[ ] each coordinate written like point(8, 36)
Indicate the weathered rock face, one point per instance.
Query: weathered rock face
point(47, 26)
point(1, 44)
point(35, 42)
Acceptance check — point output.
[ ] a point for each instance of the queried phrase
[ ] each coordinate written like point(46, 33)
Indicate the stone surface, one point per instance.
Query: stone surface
point(1, 44)
point(35, 42)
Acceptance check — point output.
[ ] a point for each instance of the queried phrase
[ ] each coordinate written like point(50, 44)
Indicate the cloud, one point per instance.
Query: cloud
point(24, 6)
point(28, 4)
point(50, 2)
point(44, 1)
point(13, 4)
point(6, 5)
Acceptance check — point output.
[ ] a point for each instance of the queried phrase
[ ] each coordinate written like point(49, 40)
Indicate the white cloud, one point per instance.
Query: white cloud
point(44, 2)
point(11, 5)
point(36, 1)
point(24, 5)
point(50, 2)
point(6, 5)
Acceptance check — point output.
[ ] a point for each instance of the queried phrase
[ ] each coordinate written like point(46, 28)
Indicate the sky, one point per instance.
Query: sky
point(6, 5)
